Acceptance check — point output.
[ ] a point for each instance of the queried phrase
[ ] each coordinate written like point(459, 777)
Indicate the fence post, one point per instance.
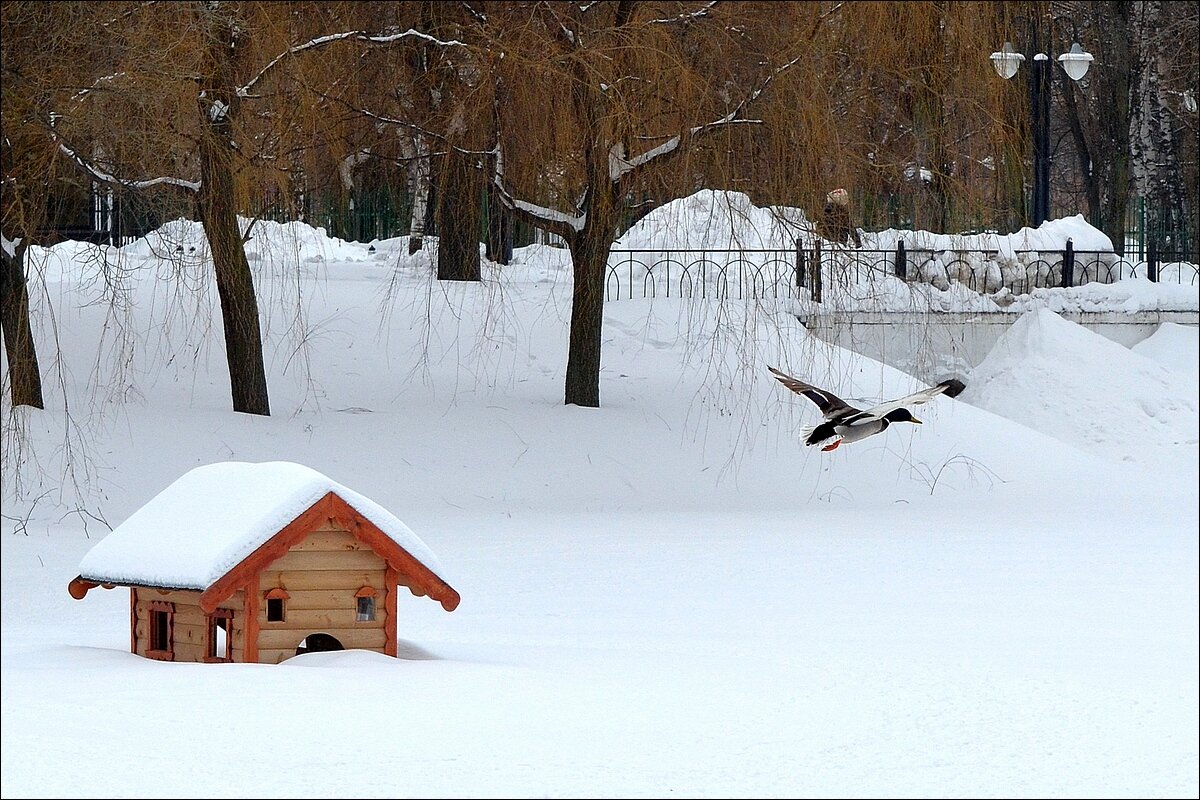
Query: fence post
point(1142, 226)
point(799, 265)
point(1152, 260)
point(901, 261)
point(816, 272)
point(1068, 264)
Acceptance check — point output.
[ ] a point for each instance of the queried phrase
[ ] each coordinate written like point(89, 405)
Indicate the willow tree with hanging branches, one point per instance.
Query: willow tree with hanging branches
point(203, 97)
point(27, 160)
point(598, 100)
point(604, 100)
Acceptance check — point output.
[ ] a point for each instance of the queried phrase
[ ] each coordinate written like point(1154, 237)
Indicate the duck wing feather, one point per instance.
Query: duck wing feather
point(829, 403)
point(950, 387)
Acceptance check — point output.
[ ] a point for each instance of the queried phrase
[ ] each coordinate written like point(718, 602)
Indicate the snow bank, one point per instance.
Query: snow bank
point(1128, 296)
point(1057, 377)
point(180, 244)
point(716, 220)
point(1050, 235)
point(1176, 347)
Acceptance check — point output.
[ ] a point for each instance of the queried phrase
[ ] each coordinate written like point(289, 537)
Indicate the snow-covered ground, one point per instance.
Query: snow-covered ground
point(666, 595)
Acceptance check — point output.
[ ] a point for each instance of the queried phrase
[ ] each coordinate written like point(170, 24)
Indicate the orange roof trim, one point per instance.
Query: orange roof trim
point(420, 579)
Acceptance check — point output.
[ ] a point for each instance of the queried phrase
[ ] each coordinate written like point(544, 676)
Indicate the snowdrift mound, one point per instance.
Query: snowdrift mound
point(716, 220)
point(1050, 235)
point(1176, 347)
point(1057, 377)
point(1126, 296)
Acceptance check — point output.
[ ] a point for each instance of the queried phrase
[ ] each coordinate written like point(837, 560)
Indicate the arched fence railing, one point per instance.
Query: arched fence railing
point(716, 274)
point(777, 273)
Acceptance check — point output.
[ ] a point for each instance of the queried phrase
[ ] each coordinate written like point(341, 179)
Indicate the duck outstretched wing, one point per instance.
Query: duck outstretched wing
point(830, 404)
point(951, 388)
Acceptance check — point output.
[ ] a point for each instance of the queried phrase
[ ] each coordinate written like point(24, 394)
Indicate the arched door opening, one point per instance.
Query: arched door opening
point(318, 643)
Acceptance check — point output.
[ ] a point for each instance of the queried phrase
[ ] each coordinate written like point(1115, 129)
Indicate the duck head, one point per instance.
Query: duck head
point(901, 415)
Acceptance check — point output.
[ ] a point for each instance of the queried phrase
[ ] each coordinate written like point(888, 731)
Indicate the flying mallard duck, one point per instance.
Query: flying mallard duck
point(845, 423)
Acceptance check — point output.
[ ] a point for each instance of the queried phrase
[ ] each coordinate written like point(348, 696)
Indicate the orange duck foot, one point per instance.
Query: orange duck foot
point(833, 446)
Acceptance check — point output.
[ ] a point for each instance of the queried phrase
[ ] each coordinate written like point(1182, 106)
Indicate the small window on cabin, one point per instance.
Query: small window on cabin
point(366, 609)
point(159, 621)
point(160, 630)
point(277, 605)
point(220, 635)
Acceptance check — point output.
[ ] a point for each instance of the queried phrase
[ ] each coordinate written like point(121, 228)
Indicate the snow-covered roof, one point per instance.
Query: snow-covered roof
point(205, 523)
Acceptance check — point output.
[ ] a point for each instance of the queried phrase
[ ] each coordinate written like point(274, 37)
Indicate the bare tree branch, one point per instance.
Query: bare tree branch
point(479, 16)
point(688, 17)
point(105, 177)
point(548, 218)
point(567, 36)
point(362, 36)
point(620, 166)
point(128, 13)
point(82, 93)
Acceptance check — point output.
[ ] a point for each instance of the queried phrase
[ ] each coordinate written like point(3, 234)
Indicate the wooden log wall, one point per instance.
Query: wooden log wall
point(321, 575)
point(189, 632)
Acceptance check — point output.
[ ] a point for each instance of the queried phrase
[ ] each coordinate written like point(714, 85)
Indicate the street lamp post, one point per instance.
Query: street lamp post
point(1075, 63)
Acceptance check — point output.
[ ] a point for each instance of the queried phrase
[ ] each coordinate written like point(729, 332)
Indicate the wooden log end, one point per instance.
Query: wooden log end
point(78, 588)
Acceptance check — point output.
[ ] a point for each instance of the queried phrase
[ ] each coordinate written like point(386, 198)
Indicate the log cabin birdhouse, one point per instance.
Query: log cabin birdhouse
point(260, 562)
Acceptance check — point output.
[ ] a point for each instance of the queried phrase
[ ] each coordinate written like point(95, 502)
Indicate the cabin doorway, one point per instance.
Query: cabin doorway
point(318, 643)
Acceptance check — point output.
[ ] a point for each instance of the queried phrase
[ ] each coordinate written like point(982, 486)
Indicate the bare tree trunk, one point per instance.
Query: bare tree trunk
point(499, 232)
point(1091, 180)
point(589, 255)
point(1115, 184)
point(1156, 168)
point(1106, 139)
point(1010, 181)
point(25, 379)
point(235, 284)
point(458, 220)
point(929, 116)
point(427, 94)
point(419, 174)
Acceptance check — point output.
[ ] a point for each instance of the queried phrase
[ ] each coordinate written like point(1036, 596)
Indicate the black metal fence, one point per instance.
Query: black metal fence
point(811, 267)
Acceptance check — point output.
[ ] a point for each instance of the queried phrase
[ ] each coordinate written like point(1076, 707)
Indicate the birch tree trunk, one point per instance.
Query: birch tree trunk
point(1154, 147)
point(418, 171)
